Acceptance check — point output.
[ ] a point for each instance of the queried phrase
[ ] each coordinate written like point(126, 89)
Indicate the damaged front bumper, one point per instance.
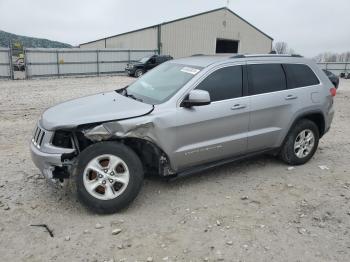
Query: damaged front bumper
point(49, 159)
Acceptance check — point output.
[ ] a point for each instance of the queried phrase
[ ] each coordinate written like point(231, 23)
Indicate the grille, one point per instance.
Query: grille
point(38, 136)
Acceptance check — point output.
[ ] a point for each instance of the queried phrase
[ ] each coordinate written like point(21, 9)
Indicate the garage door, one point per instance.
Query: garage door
point(226, 46)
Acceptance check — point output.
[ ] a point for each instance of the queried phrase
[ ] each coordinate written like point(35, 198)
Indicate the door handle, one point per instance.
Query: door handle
point(238, 106)
point(290, 97)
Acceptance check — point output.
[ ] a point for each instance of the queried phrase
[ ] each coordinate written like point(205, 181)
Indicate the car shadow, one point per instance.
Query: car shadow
point(66, 197)
point(213, 174)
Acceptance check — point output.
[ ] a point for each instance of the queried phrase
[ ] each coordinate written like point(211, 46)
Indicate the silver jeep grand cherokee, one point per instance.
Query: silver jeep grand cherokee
point(182, 117)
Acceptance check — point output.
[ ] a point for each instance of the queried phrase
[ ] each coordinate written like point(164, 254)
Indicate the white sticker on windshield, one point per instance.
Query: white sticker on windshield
point(190, 70)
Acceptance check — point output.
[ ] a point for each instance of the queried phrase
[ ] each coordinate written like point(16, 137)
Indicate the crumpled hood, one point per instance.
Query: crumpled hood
point(92, 109)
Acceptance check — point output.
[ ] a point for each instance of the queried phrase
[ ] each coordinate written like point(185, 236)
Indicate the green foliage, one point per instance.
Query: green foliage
point(19, 42)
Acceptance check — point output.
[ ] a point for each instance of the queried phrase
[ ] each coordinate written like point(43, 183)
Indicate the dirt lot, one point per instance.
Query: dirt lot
point(256, 210)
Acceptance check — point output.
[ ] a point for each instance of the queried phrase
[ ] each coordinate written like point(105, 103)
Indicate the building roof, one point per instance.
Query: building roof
point(176, 20)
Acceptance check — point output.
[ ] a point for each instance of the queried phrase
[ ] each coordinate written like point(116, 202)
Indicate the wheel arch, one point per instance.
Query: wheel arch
point(315, 116)
point(153, 158)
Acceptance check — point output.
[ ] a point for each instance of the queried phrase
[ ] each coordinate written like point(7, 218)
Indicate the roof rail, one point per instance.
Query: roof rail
point(238, 56)
point(264, 55)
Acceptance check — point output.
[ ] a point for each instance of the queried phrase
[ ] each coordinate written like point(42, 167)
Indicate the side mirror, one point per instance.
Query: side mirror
point(196, 98)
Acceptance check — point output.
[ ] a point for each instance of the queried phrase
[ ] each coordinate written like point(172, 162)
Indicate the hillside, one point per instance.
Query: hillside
point(26, 41)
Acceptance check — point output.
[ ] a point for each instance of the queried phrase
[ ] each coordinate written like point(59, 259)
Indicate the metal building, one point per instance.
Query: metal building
point(215, 31)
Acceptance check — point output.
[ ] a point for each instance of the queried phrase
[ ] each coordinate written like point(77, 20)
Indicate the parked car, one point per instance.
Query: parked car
point(18, 65)
point(345, 75)
point(183, 117)
point(334, 79)
point(147, 63)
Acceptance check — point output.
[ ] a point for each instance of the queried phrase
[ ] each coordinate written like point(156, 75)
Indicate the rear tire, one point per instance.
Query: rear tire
point(109, 177)
point(301, 143)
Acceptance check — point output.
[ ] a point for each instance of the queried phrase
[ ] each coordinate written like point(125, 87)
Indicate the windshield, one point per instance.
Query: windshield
point(161, 83)
point(145, 59)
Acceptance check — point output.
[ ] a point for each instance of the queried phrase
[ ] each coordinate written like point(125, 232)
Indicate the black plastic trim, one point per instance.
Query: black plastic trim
point(305, 115)
point(204, 167)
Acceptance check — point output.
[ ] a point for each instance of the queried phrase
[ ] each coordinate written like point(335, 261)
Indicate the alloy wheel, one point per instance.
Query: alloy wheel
point(304, 143)
point(106, 177)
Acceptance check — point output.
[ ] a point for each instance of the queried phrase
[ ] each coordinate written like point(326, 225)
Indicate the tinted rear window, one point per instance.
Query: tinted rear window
point(302, 75)
point(266, 78)
point(224, 83)
point(160, 59)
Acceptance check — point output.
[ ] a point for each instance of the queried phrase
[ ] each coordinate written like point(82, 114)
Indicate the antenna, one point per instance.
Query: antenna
point(227, 3)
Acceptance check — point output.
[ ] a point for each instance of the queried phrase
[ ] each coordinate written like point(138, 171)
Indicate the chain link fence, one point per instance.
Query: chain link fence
point(68, 62)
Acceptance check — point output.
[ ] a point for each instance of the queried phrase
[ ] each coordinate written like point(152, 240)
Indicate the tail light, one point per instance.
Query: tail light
point(333, 91)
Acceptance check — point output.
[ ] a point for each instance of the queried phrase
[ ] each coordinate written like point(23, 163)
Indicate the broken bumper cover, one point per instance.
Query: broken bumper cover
point(44, 154)
point(46, 162)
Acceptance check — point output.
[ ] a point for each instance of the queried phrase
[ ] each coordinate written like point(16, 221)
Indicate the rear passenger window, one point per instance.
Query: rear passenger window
point(224, 83)
point(302, 75)
point(266, 78)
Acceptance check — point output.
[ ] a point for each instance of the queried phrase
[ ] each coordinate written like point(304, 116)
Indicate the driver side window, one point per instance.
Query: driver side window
point(224, 83)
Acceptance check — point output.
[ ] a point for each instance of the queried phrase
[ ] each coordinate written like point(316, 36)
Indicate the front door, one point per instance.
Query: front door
point(216, 131)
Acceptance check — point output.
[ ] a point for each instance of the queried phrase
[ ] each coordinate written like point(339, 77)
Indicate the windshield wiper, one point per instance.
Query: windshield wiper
point(134, 97)
point(131, 95)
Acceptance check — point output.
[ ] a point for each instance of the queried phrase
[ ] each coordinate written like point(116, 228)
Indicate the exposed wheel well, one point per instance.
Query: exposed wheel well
point(153, 159)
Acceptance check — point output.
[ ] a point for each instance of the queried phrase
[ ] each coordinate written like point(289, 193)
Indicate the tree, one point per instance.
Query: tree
point(281, 47)
point(17, 45)
point(344, 57)
point(333, 57)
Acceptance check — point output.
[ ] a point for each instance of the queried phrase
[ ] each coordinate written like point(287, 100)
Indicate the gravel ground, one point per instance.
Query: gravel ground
point(255, 210)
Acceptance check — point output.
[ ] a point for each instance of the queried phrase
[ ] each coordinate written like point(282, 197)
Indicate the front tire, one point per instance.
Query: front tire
point(109, 177)
point(301, 143)
point(139, 73)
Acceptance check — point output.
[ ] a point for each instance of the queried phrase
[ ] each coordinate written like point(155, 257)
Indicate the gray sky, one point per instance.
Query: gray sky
point(308, 26)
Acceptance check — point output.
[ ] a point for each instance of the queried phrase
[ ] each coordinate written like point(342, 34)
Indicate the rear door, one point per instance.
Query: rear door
point(218, 130)
point(305, 84)
point(272, 105)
